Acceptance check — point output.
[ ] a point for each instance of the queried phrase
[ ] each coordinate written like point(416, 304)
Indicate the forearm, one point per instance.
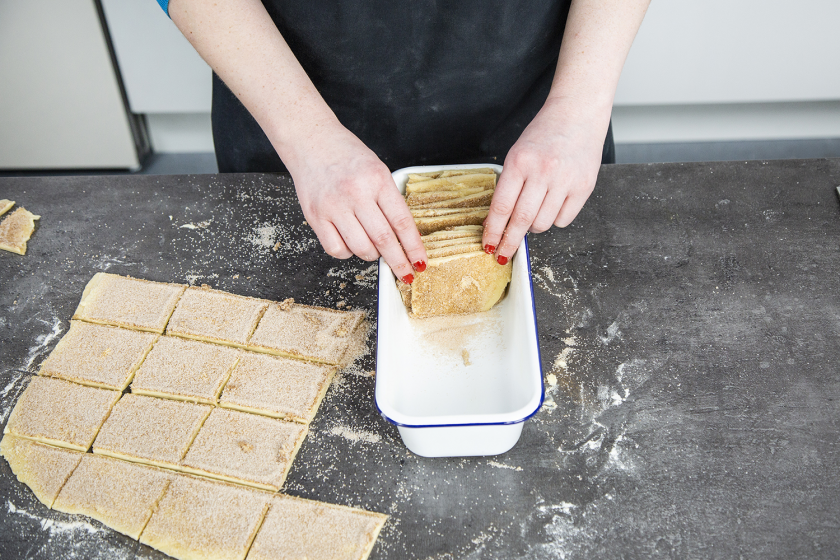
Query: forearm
point(242, 45)
point(595, 45)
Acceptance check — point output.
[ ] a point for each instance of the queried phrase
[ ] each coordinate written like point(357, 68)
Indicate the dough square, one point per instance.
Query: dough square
point(121, 495)
point(15, 230)
point(200, 519)
point(304, 332)
point(150, 430)
point(61, 413)
point(296, 528)
point(128, 302)
point(214, 316)
point(278, 387)
point(97, 355)
point(178, 368)
point(245, 448)
point(43, 468)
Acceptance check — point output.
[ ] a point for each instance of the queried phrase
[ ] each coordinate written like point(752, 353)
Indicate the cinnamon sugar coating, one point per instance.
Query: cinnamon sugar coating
point(304, 332)
point(200, 519)
point(297, 528)
point(277, 387)
point(150, 430)
point(43, 468)
point(128, 302)
point(61, 413)
point(120, 494)
point(214, 316)
point(184, 369)
point(245, 448)
point(97, 355)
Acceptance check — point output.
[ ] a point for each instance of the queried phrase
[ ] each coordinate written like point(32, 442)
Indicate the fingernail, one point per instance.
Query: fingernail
point(502, 260)
point(419, 266)
point(489, 249)
point(409, 278)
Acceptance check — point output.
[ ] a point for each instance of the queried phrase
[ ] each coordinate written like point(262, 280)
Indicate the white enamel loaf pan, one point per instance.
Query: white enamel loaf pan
point(461, 385)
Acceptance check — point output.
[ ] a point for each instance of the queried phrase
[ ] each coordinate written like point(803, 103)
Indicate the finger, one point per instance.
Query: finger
point(402, 223)
point(504, 201)
point(385, 240)
point(356, 238)
point(570, 209)
point(549, 210)
point(331, 240)
point(521, 219)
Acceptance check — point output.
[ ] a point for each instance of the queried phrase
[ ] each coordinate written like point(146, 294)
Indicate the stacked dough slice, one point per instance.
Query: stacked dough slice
point(16, 228)
point(449, 208)
point(173, 414)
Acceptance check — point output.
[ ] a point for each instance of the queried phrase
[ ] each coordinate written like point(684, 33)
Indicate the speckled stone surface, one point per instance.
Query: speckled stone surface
point(690, 334)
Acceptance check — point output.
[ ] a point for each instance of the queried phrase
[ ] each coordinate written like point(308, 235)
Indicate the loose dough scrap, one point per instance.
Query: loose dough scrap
point(245, 448)
point(199, 519)
point(304, 332)
point(15, 230)
point(121, 495)
point(6, 205)
point(182, 369)
point(296, 528)
point(43, 468)
point(128, 302)
point(278, 387)
point(214, 316)
point(61, 413)
point(150, 430)
point(98, 355)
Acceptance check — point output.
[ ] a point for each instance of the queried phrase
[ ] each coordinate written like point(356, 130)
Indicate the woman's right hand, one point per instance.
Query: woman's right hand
point(349, 198)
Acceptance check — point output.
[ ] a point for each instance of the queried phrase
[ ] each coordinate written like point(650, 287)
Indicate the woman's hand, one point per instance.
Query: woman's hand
point(349, 198)
point(548, 175)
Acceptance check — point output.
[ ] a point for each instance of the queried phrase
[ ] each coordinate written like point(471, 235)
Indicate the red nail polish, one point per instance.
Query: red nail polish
point(408, 278)
point(489, 249)
point(501, 260)
point(420, 266)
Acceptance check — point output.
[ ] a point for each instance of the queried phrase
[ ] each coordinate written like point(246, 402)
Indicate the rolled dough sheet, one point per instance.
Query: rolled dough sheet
point(200, 519)
point(304, 332)
point(296, 528)
point(6, 205)
point(43, 468)
point(182, 369)
point(214, 316)
point(121, 495)
point(150, 430)
point(126, 302)
point(97, 355)
point(61, 413)
point(245, 448)
point(15, 230)
point(278, 387)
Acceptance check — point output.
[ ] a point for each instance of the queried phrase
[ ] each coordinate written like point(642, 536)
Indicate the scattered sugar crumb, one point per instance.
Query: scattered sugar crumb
point(341, 304)
point(355, 435)
point(503, 466)
point(465, 355)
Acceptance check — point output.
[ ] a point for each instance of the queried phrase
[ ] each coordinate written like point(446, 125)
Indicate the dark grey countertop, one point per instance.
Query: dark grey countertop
point(689, 327)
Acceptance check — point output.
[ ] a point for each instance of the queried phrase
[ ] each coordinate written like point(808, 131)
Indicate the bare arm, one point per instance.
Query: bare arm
point(346, 193)
point(550, 171)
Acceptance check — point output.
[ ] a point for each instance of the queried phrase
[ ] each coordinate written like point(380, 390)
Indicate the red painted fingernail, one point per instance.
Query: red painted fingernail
point(501, 260)
point(408, 278)
point(419, 266)
point(489, 249)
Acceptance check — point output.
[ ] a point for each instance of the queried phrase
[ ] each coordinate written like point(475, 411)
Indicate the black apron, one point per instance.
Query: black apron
point(420, 83)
